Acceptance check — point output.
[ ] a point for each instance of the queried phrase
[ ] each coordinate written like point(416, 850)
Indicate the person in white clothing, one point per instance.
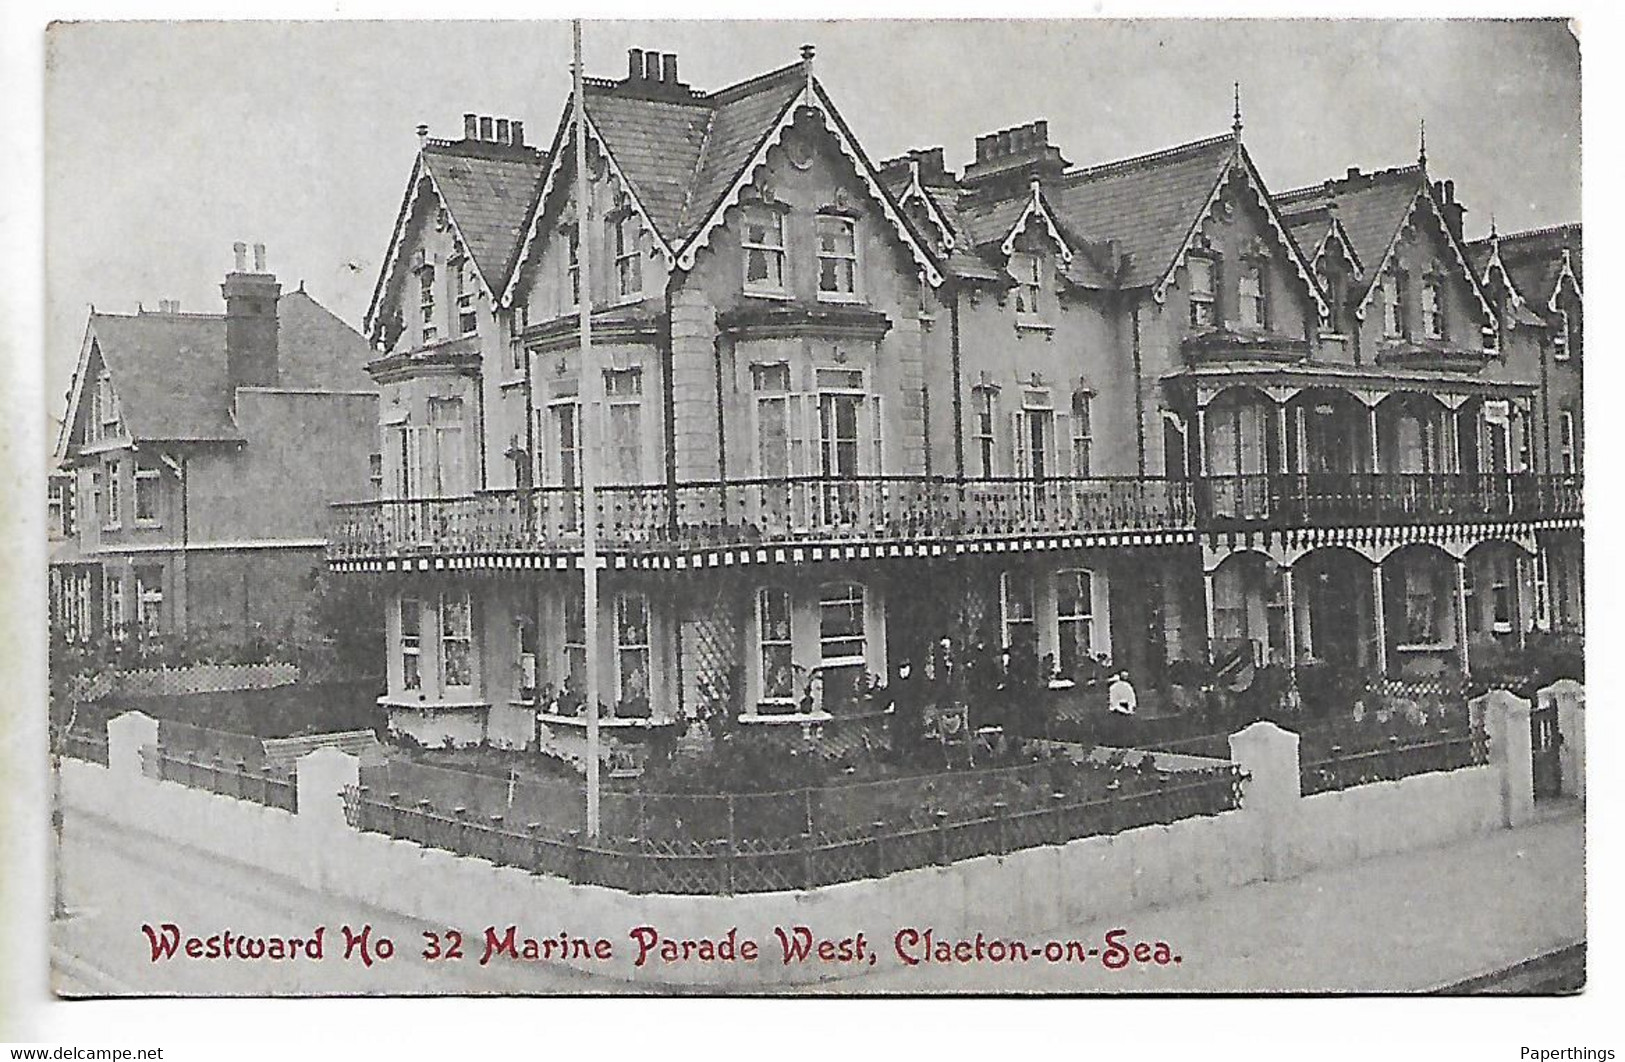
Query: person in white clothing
point(1120, 696)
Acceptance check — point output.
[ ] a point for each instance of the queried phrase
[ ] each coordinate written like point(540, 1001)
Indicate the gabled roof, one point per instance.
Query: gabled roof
point(169, 369)
point(487, 190)
point(1316, 229)
point(1533, 264)
point(1147, 206)
point(684, 157)
point(1374, 209)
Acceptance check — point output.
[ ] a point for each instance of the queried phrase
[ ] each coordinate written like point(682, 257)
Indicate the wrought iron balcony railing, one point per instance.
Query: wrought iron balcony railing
point(925, 509)
point(1381, 499)
point(804, 511)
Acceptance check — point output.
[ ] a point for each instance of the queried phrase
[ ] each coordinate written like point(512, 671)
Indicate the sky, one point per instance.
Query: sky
point(168, 142)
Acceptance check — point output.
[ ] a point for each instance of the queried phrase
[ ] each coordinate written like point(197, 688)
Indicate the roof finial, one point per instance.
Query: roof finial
point(1494, 233)
point(807, 51)
point(1235, 125)
point(1422, 146)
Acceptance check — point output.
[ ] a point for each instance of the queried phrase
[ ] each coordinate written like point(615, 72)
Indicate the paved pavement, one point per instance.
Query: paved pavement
point(1420, 921)
point(1414, 922)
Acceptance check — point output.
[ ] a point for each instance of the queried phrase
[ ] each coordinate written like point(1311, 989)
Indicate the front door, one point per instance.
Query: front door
point(1545, 743)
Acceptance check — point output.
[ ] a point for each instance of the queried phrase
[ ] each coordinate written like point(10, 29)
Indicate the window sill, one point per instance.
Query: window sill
point(774, 296)
point(835, 297)
point(613, 722)
point(774, 719)
point(510, 384)
point(1425, 647)
point(148, 524)
point(387, 701)
point(1033, 324)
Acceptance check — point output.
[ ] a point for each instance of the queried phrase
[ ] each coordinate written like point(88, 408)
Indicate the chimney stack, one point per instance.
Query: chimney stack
point(668, 68)
point(471, 126)
point(1012, 158)
point(251, 322)
point(634, 64)
point(516, 133)
point(502, 130)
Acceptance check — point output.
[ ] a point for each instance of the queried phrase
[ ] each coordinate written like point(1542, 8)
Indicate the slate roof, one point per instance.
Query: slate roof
point(487, 188)
point(1371, 207)
point(1144, 206)
point(169, 369)
point(1534, 260)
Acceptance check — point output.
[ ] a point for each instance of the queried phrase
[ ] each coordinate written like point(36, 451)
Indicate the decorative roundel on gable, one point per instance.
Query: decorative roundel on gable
point(799, 150)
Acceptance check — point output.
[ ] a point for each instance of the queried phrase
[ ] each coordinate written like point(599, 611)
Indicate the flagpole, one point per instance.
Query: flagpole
point(587, 426)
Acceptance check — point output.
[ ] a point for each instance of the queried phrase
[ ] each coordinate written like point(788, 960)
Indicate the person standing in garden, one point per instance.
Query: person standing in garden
point(1121, 703)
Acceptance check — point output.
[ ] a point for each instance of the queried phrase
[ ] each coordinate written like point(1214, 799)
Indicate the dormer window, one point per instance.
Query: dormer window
point(1393, 304)
point(426, 302)
point(837, 258)
point(1253, 296)
point(1432, 309)
point(763, 244)
point(1562, 340)
point(1027, 271)
point(1200, 272)
point(625, 234)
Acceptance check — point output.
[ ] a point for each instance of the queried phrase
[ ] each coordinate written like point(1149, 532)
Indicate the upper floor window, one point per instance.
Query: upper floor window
point(763, 244)
point(572, 266)
point(115, 501)
point(841, 638)
point(626, 232)
point(1027, 271)
point(444, 466)
point(984, 401)
point(1563, 341)
point(1432, 309)
point(837, 257)
point(1200, 273)
point(467, 286)
point(426, 302)
point(1253, 293)
point(147, 484)
point(1568, 454)
point(1393, 304)
point(113, 603)
point(623, 390)
point(63, 516)
point(104, 408)
point(1082, 434)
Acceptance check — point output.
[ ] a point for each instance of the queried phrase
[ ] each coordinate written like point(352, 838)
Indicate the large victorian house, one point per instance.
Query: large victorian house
point(198, 457)
point(1142, 410)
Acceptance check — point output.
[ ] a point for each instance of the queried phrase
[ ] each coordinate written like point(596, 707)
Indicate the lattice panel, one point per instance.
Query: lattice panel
point(710, 635)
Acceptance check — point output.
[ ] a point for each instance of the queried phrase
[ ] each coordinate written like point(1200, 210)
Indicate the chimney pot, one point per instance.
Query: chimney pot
point(259, 258)
point(807, 52)
point(516, 133)
point(634, 64)
point(1450, 191)
point(982, 145)
point(1354, 171)
point(422, 132)
point(486, 132)
point(241, 252)
point(651, 66)
point(1041, 131)
point(668, 68)
point(471, 126)
point(502, 130)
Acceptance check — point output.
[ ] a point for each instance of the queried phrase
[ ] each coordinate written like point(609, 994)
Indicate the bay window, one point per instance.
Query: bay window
point(1082, 433)
point(623, 391)
point(984, 402)
point(1017, 610)
point(456, 641)
point(411, 643)
point(841, 637)
point(574, 645)
point(1074, 617)
point(632, 643)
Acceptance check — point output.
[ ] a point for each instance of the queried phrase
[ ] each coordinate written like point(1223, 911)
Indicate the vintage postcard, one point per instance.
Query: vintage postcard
point(1060, 507)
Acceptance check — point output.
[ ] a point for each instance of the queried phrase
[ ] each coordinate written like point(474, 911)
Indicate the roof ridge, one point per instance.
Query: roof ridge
point(144, 314)
point(749, 85)
point(699, 167)
point(1528, 234)
point(1310, 190)
point(1107, 168)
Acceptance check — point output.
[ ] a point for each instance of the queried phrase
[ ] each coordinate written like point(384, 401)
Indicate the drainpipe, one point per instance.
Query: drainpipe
point(183, 596)
point(1139, 394)
point(959, 383)
point(668, 364)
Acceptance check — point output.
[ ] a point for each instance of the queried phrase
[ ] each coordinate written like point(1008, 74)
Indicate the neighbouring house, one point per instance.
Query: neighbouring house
point(1142, 409)
point(197, 460)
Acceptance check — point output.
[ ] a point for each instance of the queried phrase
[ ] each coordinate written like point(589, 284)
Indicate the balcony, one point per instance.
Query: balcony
point(875, 510)
point(1252, 502)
